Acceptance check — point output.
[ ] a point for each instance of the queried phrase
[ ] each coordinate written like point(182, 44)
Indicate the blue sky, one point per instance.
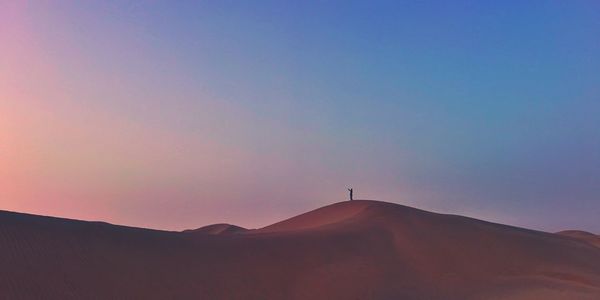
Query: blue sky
point(482, 108)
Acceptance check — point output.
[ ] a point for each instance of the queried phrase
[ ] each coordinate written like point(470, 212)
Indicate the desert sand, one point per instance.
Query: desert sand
point(349, 250)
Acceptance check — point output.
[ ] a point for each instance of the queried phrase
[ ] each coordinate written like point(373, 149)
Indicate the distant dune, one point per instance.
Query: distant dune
point(349, 250)
point(217, 229)
point(582, 236)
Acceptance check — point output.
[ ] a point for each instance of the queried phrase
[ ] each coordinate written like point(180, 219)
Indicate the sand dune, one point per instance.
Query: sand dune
point(217, 229)
point(585, 236)
point(348, 250)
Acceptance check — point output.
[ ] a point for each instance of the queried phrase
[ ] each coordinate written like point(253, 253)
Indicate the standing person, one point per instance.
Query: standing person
point(351, 194)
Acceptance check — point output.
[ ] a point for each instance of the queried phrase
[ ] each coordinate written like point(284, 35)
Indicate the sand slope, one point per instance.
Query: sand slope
point(348, 250)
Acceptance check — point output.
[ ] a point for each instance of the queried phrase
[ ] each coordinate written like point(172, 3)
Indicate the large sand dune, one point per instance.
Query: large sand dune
point(348, 250)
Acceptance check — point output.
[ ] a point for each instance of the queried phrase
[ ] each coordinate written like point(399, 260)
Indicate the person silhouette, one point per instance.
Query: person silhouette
point(351, 194)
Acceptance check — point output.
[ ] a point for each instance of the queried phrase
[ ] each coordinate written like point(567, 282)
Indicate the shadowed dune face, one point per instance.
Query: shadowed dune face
point(348, 250)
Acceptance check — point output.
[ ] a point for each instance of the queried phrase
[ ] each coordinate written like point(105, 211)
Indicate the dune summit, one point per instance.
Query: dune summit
point(349, 250)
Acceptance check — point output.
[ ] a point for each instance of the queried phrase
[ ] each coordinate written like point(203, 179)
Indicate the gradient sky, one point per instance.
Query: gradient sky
point(177, 114)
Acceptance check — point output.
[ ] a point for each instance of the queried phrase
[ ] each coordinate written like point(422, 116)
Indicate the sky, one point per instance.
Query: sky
point(178, 114)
